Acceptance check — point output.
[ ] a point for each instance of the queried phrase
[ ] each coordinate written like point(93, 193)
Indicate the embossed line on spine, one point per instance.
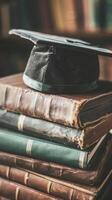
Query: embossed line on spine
point(82, 159)
point(20, 124)
point(29, 147)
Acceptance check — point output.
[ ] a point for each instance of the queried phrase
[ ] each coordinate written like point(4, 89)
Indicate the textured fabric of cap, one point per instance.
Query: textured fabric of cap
point(60, 70)
point(61, 64)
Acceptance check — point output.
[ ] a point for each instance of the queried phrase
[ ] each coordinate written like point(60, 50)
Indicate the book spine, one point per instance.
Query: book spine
point(91, 9)
point(70, 16)
point(91, 177)
point(5, 18)
point(108, 15)
point(47, 25)
point(41, 149)
point(42, 129)
point(16, 191)
point(43, 183)
point(47, 168)
point(50, 107)
point(67, 136)
point(57, 15)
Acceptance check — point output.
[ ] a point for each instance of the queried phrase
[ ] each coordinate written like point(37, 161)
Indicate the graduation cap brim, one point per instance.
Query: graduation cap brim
point(76, 44)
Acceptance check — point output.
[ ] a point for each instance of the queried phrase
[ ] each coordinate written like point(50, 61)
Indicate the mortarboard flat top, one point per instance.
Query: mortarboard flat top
point(61, 64)
point(76, 44)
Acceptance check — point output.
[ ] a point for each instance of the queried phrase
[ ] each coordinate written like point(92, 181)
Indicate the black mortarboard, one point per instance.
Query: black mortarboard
point(61, 64)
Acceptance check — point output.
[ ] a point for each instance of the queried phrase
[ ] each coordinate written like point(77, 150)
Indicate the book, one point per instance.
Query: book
point(91, 10)
point(93, 176)
point(71, 110)
point(75, 138)
point(46, 150)
point(51, 186)
point(69, 13)
point(5, 18)
point(108, 15)
point(57, 15)
point(45, 15)
point(13, 190)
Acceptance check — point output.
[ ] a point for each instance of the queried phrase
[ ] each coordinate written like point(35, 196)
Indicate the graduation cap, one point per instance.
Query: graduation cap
point(61, 64)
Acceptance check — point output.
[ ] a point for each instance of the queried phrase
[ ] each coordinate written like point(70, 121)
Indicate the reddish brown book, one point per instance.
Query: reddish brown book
point(12, 190)
point(75, 110)
point(51, 186)
point(93, 176)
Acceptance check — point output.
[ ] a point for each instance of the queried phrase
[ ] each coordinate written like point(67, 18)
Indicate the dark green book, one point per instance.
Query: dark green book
point(13, 142)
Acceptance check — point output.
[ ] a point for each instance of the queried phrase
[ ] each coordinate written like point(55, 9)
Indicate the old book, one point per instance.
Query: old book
point(108, 15)
point(49, 151)
point(94, 176)
point(67, 136)
point(57, 15)
point(54, 187)
point(75, 111)
point(13, 190)
point(69, 11)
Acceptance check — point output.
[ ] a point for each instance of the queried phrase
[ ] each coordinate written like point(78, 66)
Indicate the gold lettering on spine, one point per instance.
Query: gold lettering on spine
point(17, 193)
point(29, 147)
point(20, 124)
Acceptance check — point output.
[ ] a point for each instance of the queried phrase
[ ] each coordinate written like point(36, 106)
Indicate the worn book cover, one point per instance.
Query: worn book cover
point(75, 110)
point(51, 186)
point(14, 142)
point(93, 176)
point(13, 190)
point(39, 128)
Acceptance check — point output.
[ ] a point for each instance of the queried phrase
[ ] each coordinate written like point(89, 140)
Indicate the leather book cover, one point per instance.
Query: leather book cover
point(14, 142)
point(39, 128)
point(70, 110)
point(51, 186)
point(94, 176)
point(13, 190)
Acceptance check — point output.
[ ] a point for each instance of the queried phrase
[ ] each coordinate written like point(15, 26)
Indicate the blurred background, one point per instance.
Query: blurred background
point(90, 20)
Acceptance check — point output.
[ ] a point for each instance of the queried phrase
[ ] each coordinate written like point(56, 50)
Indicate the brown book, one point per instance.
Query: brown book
point(69, 11)
point(94, 176)
point(57, 15)
point(51, 186)
point(76, 110)
point(16, 191)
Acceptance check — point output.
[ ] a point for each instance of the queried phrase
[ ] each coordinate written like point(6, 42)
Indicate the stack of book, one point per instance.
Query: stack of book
point(66, 162)
point(54, 146)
